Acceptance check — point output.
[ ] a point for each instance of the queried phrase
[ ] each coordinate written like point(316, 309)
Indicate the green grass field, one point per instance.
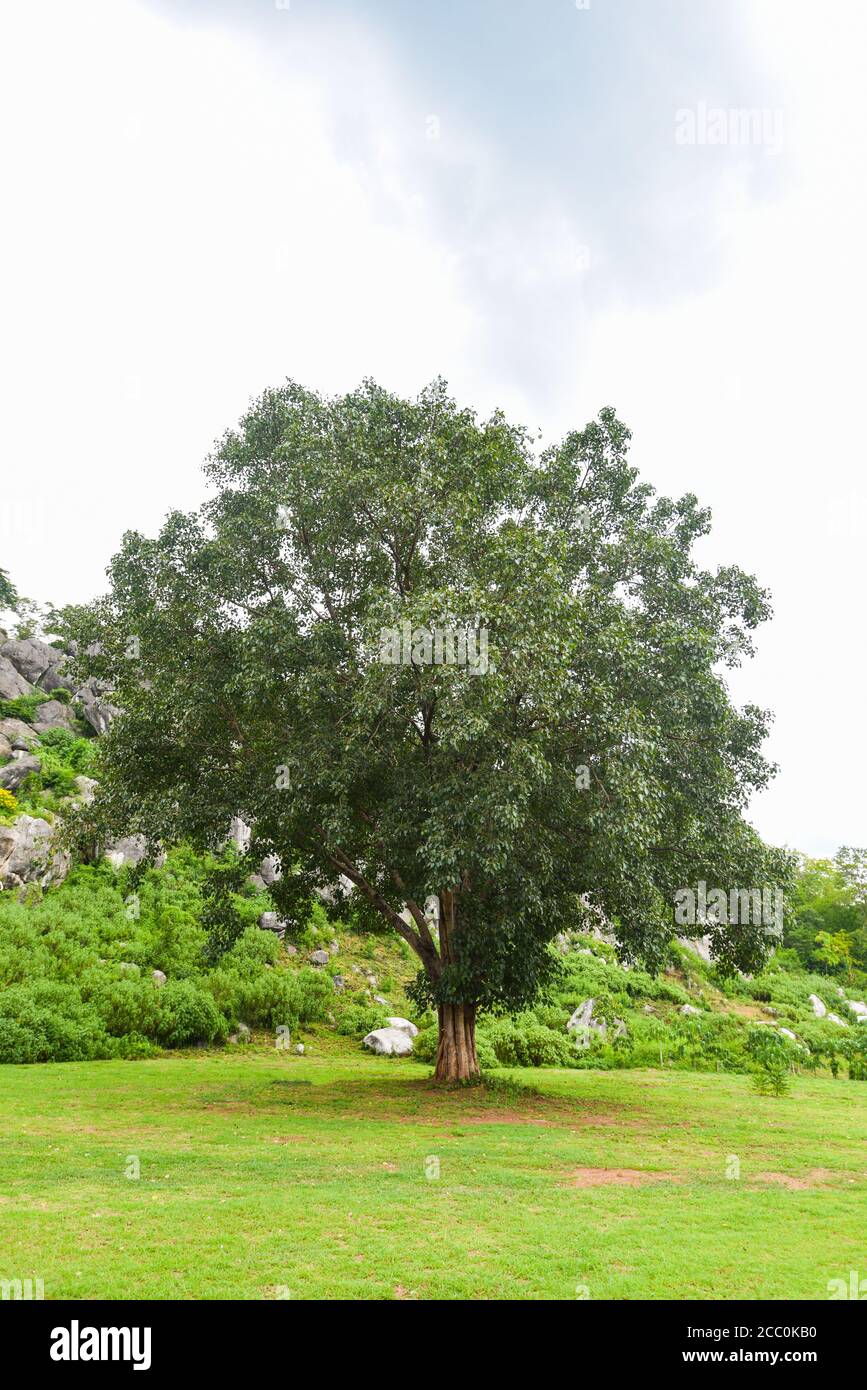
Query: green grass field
point(266, 1175)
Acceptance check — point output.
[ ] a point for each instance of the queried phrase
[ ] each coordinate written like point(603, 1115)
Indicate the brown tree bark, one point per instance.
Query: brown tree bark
point(456, 1053)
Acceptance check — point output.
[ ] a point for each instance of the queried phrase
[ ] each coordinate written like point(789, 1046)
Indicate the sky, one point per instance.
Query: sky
point(558, 206)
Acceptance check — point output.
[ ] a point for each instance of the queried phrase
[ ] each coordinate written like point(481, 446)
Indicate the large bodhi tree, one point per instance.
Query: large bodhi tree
point(596, 760)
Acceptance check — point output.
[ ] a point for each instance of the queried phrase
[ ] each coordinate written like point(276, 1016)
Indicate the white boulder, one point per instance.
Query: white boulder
point(389, 1042)
point(403, 1025)
point(583, 1018)
point(818, 1007)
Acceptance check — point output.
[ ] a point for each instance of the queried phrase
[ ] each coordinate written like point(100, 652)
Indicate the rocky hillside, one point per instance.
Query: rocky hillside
point(47, 727)
point(118, 957)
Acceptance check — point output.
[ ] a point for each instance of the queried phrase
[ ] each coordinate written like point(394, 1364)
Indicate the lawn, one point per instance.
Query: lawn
point(267, 1175)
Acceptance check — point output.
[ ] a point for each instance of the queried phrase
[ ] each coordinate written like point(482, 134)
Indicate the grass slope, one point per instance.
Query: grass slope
point(266, 1175)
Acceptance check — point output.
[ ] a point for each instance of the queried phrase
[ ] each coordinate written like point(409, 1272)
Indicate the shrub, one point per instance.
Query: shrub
point(854, 1048)
point(271, 997)
point(23, 706)
point(772, 1056)
point(522, 1041)
point(424, 1044)
point(127, 1006)
point(48, 1022)
point(80, 754)
point(357, 1020)
point(187, 1014)
point(780, 986)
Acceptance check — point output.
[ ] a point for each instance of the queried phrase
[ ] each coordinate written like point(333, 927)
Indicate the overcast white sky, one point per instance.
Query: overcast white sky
point(200, 199)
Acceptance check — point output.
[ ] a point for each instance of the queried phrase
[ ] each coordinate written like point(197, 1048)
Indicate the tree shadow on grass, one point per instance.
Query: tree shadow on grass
point(497, 1100)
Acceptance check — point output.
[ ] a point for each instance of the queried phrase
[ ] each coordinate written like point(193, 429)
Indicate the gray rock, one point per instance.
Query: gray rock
point(13, 774)
point(56, 678)
point(5, 747)
point(255, 881)
point(98, 712)
point(378, 999)
point(158, 977)
point(835, 1018)
point(858, 1007)
point(299, 1049)
point(85, 787)
point(27, 855)
point(583, 1018)
point(129, 967)
point(31, 657)
point(129, 849)
point(699, 945)
point(269, 870)
point(241, 1035)
point(585, 1021)
point(53, 715)
point(8, 841)
point(239, 834)
point(12, 683)
point(389, 1042)
point(331, 892)
point(339, 982)
point(787, 1033)
point(334, 947)
point(270, 921)
point(818, 1007)
point(13, 729)
point(290, 949)
point(319, 957)
point(403, 1025)
point(690, 1011)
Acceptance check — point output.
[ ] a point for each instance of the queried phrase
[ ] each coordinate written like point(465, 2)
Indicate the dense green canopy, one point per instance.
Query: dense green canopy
point(597, 755)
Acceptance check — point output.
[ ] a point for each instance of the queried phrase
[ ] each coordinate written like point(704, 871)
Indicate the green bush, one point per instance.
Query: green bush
point(522, 1041)
point(187, 1015)
point(854, 1049)
point(357, 1020)
point(23, 707)
point(271, 997)
point(126, 1005)
point(772, 1056)
point(67, 989)
point(49, 1022)
point(780, 986)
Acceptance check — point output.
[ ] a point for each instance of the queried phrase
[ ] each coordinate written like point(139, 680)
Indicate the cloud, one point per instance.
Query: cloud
point(210, 197)
point(536, 140)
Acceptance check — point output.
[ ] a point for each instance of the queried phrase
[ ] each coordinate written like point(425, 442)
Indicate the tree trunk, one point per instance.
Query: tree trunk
point(456, 1053)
